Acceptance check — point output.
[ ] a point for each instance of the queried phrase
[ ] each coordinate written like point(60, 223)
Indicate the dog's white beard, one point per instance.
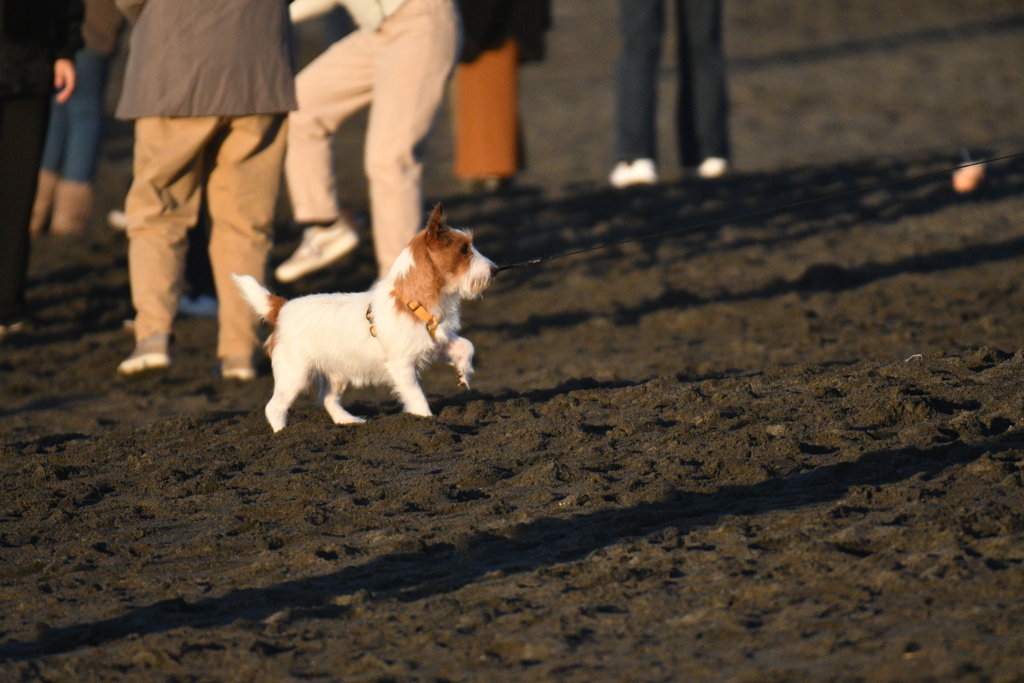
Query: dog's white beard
point(477, 278)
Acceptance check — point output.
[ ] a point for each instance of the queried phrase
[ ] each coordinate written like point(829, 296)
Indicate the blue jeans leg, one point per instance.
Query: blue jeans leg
point(56, 138)
point(76, 127)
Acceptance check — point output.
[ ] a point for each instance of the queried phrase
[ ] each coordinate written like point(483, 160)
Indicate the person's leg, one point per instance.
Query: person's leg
point(49, 167)
point(56, 138)
point(330, 89)
point(414, 52)
point(85, 117)
point(641, 28)
point(161, 206)
point(83, 123)
point(241, 193)
point(46, 188)
point(23, 122)
point(702, 109)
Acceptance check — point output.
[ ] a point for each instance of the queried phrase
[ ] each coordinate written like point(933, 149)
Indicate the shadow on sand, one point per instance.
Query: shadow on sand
point(545, 542)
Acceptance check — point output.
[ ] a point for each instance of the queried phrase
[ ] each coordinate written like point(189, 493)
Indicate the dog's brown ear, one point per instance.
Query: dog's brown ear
point(436, 222)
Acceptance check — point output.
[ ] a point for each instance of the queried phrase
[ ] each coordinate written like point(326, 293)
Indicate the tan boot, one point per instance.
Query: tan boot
point(72, 206)
point(45, 188)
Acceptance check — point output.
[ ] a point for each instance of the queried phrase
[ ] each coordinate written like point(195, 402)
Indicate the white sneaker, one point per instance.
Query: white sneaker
point(202, 306)
point(149, 354)
point(713, 167)
point(320, 248)
point(639, 172)
point(117, 219)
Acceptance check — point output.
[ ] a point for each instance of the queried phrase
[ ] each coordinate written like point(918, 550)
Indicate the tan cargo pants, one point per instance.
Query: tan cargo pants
point(237, 160)
point(402, 69)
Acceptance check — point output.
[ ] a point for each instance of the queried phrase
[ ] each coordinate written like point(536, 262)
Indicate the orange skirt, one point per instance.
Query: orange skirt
point(486, 115)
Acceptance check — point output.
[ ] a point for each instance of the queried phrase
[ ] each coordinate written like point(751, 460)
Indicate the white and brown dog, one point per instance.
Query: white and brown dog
point(384, 336)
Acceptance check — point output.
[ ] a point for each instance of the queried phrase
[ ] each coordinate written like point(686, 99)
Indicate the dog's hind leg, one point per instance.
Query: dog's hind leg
point(288, 384)
point(331, 389)
point(407, 386)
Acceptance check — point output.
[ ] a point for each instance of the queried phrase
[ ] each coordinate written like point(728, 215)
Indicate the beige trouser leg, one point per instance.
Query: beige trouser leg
point(402, 69)
point(330, 89)
point(162, 204)
point(241, 193)
point(240, 160)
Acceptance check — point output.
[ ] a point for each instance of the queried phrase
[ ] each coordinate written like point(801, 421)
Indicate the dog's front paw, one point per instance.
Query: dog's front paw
point(464, 368)
point(460, 355)
point(420, 411)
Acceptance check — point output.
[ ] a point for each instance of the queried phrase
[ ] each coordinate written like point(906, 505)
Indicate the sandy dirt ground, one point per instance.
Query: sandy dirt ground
point(776, 444)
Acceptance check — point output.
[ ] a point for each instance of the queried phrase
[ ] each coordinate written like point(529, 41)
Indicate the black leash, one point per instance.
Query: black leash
point(753, 214)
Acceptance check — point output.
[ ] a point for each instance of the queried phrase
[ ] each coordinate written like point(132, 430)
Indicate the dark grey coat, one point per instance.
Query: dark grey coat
point(207, 58)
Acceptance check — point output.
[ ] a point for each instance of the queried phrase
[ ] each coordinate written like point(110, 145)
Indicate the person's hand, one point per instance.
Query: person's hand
point(63, 79)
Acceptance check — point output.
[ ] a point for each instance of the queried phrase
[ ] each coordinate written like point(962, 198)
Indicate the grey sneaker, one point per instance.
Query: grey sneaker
point(320, 248)
point(237, 367)
point(149, 354)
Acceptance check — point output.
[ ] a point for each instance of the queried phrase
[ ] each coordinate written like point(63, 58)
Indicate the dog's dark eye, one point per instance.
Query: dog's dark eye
point(465, 248)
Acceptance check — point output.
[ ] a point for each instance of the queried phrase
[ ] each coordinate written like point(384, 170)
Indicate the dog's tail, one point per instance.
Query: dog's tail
point(266, 305)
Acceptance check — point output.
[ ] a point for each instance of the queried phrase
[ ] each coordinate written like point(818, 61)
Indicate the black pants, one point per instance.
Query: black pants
point(23, 123)
point(702, 108)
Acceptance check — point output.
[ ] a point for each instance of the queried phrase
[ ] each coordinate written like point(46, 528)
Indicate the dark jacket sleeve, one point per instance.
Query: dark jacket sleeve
point(33, 35)
point(71, 34)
